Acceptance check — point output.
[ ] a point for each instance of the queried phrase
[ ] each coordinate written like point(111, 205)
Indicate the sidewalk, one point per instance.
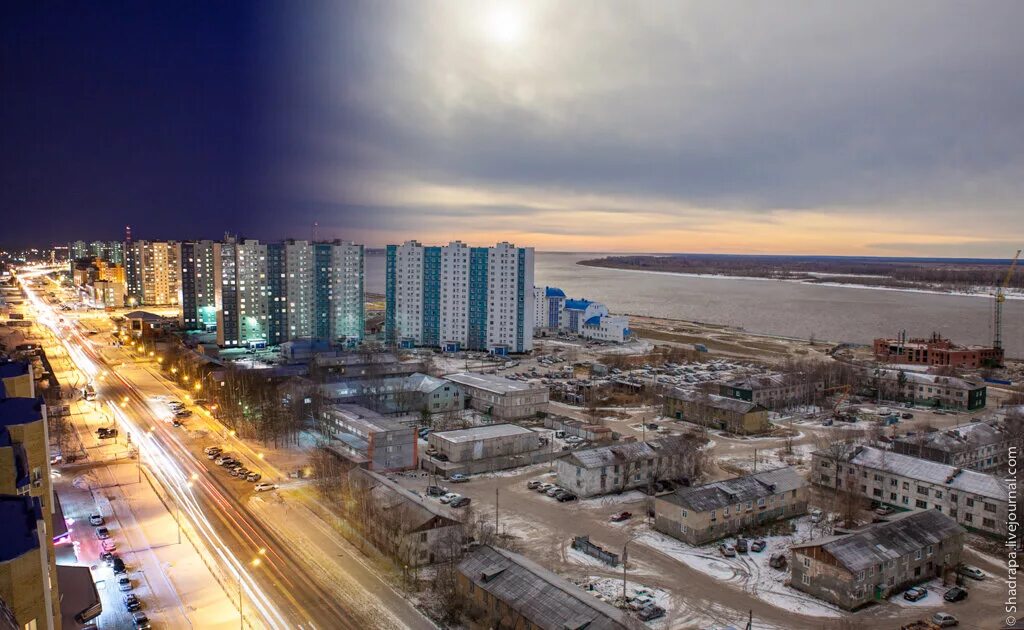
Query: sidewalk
point(171, 579)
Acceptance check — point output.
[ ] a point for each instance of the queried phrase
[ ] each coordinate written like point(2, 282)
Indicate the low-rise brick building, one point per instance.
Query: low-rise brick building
point(854, 569)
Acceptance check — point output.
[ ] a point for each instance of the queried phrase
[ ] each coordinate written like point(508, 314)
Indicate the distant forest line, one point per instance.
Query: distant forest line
point(901, 273)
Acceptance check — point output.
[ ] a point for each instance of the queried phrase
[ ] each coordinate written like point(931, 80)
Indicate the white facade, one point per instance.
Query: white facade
point(458, 297)
point(454, 293)
point(613, 328)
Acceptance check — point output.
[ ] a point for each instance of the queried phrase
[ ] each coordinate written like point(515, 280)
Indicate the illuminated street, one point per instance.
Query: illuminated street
point(278, 588)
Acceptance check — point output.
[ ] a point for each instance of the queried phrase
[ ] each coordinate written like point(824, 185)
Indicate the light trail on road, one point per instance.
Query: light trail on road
point(167, 469)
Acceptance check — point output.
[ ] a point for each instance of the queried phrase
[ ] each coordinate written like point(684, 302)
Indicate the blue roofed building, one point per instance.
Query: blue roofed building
point(586, 318)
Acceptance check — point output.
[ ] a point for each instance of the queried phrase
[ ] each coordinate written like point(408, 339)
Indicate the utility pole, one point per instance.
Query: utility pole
point(495, 513)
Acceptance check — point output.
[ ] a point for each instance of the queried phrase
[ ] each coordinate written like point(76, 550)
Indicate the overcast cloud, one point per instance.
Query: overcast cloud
point(815, 127)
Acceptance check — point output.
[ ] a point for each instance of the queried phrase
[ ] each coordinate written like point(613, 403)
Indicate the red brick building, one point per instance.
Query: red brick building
point(935, 351)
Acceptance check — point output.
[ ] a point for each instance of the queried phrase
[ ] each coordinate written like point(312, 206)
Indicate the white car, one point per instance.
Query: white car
point(971, 572)
point(451, 496)
point(260, 487)
point(816, 515)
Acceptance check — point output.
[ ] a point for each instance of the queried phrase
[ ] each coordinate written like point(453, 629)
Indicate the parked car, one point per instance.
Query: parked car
point(460, 502)
point(213, 449)
point(436, 491)
point(553, 490)
point(945, 620)
point(118, 566)
point(108, 544)
point(777, 561)
point(125, 584)
point(651, 612)
point(177, 423)
point(565, 495)
point(620, 516)
point(253, 477)
point(458, 478)
point(816, 515)
point(441, 457)
point(741, 545)
point(758, 545)
point(102, 533)
point(95, 520)
point(107, 558)
point(214, 455)
point(915, 593)
point(107, 434)
point(907, 416)
point(448, 498)
point(884, 510)
point(955, 594)
point(184, 413)
point(261, 487)
point(972, 572)
point(141, 621)
point(131, 602)
point(727, 550)
point(532, 485)
point(544, 487)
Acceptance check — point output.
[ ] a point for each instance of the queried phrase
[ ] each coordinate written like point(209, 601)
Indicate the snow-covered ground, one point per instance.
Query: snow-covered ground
point(610, 590)
point(749, 572)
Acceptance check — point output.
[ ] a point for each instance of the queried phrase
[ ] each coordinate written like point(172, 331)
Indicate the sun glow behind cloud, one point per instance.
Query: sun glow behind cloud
point(684, 126)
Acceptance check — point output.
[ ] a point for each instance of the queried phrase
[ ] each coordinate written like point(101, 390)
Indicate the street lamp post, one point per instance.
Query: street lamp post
point(624, 559)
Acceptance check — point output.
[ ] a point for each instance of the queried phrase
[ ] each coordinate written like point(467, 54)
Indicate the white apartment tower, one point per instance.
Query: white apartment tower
point(457, 297)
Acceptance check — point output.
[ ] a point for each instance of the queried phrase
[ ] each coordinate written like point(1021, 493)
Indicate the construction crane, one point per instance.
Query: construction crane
point(997, 338)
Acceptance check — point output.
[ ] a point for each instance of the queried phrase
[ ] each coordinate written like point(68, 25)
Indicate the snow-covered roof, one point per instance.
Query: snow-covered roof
point(620, 453)
point(538, 595)
point(927, 471)
point(713, 400)
point(954, 440)
point(718, 494)
point(902, 534)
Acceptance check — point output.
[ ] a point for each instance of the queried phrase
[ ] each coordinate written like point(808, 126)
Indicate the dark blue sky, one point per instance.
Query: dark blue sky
point(127, 112)
point(738, 126)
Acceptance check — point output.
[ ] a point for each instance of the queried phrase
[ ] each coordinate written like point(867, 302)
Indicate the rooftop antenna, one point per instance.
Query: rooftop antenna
point(316, 230)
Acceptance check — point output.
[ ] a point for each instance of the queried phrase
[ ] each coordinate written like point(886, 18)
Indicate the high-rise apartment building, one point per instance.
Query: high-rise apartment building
point(110, 251)
point(197, 286)
point(457, 297)
point(272, 293)
point(79, 249)
point(153, 272)
point(240, 289)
